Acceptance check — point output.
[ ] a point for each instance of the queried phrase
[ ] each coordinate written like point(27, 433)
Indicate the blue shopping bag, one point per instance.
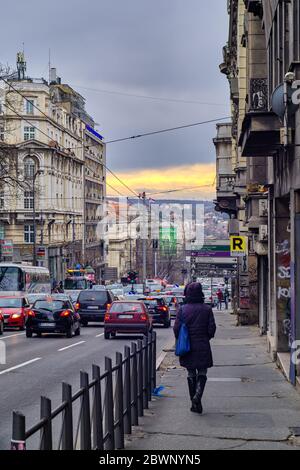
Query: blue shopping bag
point(183, 345)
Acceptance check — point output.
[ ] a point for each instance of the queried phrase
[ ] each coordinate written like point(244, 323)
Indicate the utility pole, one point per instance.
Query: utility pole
point(144, 239)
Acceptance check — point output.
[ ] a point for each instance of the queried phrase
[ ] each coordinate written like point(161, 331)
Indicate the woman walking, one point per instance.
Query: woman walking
point(200, 322)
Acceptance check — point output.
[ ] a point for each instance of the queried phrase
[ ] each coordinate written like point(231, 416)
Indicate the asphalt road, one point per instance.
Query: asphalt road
point(37, 366)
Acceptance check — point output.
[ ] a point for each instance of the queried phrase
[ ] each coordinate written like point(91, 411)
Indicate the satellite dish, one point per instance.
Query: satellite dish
point(277, 102)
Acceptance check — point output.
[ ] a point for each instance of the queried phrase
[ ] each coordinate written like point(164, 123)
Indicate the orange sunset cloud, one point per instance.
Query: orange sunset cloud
point(195, 181)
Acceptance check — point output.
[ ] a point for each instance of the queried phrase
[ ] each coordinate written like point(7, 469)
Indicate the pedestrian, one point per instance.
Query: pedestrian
point(226, 297)
point(220, 298)
point(200, 322)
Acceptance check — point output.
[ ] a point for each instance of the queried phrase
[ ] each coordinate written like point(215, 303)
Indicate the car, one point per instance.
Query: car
point(127, 317)
point(33, 297)
point(1, 324)
point(173, 302)
point(158, 309)
point(92, 305)
point(14, 310)
point(53, 314)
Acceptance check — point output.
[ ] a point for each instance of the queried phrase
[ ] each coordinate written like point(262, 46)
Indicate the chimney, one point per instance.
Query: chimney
point(53, 78)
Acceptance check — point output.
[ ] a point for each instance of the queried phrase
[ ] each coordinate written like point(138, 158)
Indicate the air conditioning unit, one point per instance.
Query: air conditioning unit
point(263, 208)
point(263, 233)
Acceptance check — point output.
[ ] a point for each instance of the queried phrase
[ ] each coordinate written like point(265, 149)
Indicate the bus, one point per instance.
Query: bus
point(16, 277)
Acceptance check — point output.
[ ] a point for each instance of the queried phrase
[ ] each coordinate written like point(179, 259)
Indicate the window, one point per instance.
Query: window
point(29, 106)
point(2, 199)
point(28, 233)
point(28, 200)
point(2, 133)
point(29, 133)
point(29, 167)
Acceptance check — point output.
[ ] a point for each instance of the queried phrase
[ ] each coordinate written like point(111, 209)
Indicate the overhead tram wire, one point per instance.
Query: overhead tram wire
point(111, 141)
point(68, 149)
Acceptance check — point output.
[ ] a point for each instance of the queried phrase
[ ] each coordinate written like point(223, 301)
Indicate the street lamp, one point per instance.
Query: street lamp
point(37, 173)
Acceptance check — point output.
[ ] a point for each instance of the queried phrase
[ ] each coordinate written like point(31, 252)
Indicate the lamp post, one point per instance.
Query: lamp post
point(37, 173)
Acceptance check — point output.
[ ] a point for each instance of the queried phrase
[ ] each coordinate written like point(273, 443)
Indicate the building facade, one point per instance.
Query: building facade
point(45, 214)
point(268, 142)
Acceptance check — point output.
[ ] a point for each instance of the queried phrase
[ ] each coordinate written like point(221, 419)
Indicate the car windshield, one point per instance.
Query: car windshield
point(75, 284)
point(98, 296)
point(11, 303)
point(51, 305)
point(152, 302)
point(126, 307)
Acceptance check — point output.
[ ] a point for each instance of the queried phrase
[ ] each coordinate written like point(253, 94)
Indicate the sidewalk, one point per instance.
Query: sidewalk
point(247, 402)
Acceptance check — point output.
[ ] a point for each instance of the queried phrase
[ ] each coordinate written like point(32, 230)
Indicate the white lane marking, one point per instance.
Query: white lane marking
point(11, 336)
point(20, 365)
point(98, 336)
point(71, 346)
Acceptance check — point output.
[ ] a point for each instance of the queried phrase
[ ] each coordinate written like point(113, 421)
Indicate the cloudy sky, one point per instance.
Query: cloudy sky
point(142, 65)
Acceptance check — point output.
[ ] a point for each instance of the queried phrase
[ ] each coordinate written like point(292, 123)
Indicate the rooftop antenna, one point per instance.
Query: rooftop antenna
point(49, 63)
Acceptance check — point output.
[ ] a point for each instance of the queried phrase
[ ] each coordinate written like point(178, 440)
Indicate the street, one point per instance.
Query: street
point(50, 361)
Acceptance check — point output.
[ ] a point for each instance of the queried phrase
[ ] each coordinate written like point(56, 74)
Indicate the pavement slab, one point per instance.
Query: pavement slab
point(248, 404)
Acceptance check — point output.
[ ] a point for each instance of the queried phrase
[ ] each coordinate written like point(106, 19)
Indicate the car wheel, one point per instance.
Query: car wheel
point(167, 324)
point(84, 322)
point(106, 335)
point(28, 333)
point(77, 331)
point(69, 332)
point(1, 328)
point(113, 335)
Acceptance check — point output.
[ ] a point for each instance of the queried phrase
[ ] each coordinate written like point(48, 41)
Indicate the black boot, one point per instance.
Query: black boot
point(192, 382)
point(200, 386)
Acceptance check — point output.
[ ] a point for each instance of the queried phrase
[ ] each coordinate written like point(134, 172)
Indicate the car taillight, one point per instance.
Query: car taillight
point(107, 317)
point(144, 317)
point(163, 309)
point(66, 313)
point(31, 313)
point(108, 307)
point(77, 306)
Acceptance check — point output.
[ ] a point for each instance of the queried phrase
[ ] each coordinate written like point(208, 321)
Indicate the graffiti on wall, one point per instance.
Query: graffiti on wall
point(284, 287)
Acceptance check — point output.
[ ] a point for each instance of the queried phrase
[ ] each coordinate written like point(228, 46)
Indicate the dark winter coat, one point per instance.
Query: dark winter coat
point(200, 322)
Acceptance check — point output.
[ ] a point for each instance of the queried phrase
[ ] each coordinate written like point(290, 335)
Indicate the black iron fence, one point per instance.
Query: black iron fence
point(106, 407)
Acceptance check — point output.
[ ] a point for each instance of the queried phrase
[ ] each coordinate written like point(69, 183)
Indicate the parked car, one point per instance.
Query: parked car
point(14, 311)
point(1, 324)
point(127, 317)
point(53, 314)
point(92, 305)
point(158, 309)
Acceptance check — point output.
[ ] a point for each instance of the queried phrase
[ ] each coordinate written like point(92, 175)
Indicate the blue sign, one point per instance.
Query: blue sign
point(95, 133)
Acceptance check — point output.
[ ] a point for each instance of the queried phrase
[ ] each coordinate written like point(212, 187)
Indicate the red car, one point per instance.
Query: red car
point(127, 317)
point(14, 311)
point(1, 324)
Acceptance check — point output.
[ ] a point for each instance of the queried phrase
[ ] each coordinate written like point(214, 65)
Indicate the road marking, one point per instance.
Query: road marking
point(71, 346)
point(98, 336)
point(11, 336)
point(224, 379)
point(20, 365)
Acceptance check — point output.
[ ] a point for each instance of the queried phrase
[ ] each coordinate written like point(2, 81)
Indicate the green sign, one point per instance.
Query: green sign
point(168, 240)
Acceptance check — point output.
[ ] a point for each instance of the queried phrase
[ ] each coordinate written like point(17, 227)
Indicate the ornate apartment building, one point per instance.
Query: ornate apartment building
point(59, 159)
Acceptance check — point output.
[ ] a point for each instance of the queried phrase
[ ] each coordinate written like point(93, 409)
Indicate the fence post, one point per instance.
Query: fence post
point(67, 431)
point(18, 440)
point(127, 391)
point(119, 408)
point(150, 363)
point(145, 375)
point(134, 387)
point(46, 432)
point(140, 378)
point(154, 361)
point(109, 406)
point(85, 425)
point(97, 413)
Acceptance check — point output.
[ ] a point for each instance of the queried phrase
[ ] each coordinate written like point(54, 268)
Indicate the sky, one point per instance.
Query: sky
point(143, 66)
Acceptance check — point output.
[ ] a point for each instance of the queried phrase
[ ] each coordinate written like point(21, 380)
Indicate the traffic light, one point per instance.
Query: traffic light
point(132, 276)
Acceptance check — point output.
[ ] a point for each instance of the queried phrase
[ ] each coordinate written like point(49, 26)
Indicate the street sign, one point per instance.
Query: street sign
point(7, 247)
point(41, 252)
point(238, 245)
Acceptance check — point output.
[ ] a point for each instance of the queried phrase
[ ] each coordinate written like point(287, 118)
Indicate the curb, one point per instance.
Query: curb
point(162, 356)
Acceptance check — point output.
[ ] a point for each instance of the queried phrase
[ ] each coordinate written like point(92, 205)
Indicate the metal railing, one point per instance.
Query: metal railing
point(109, 405)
